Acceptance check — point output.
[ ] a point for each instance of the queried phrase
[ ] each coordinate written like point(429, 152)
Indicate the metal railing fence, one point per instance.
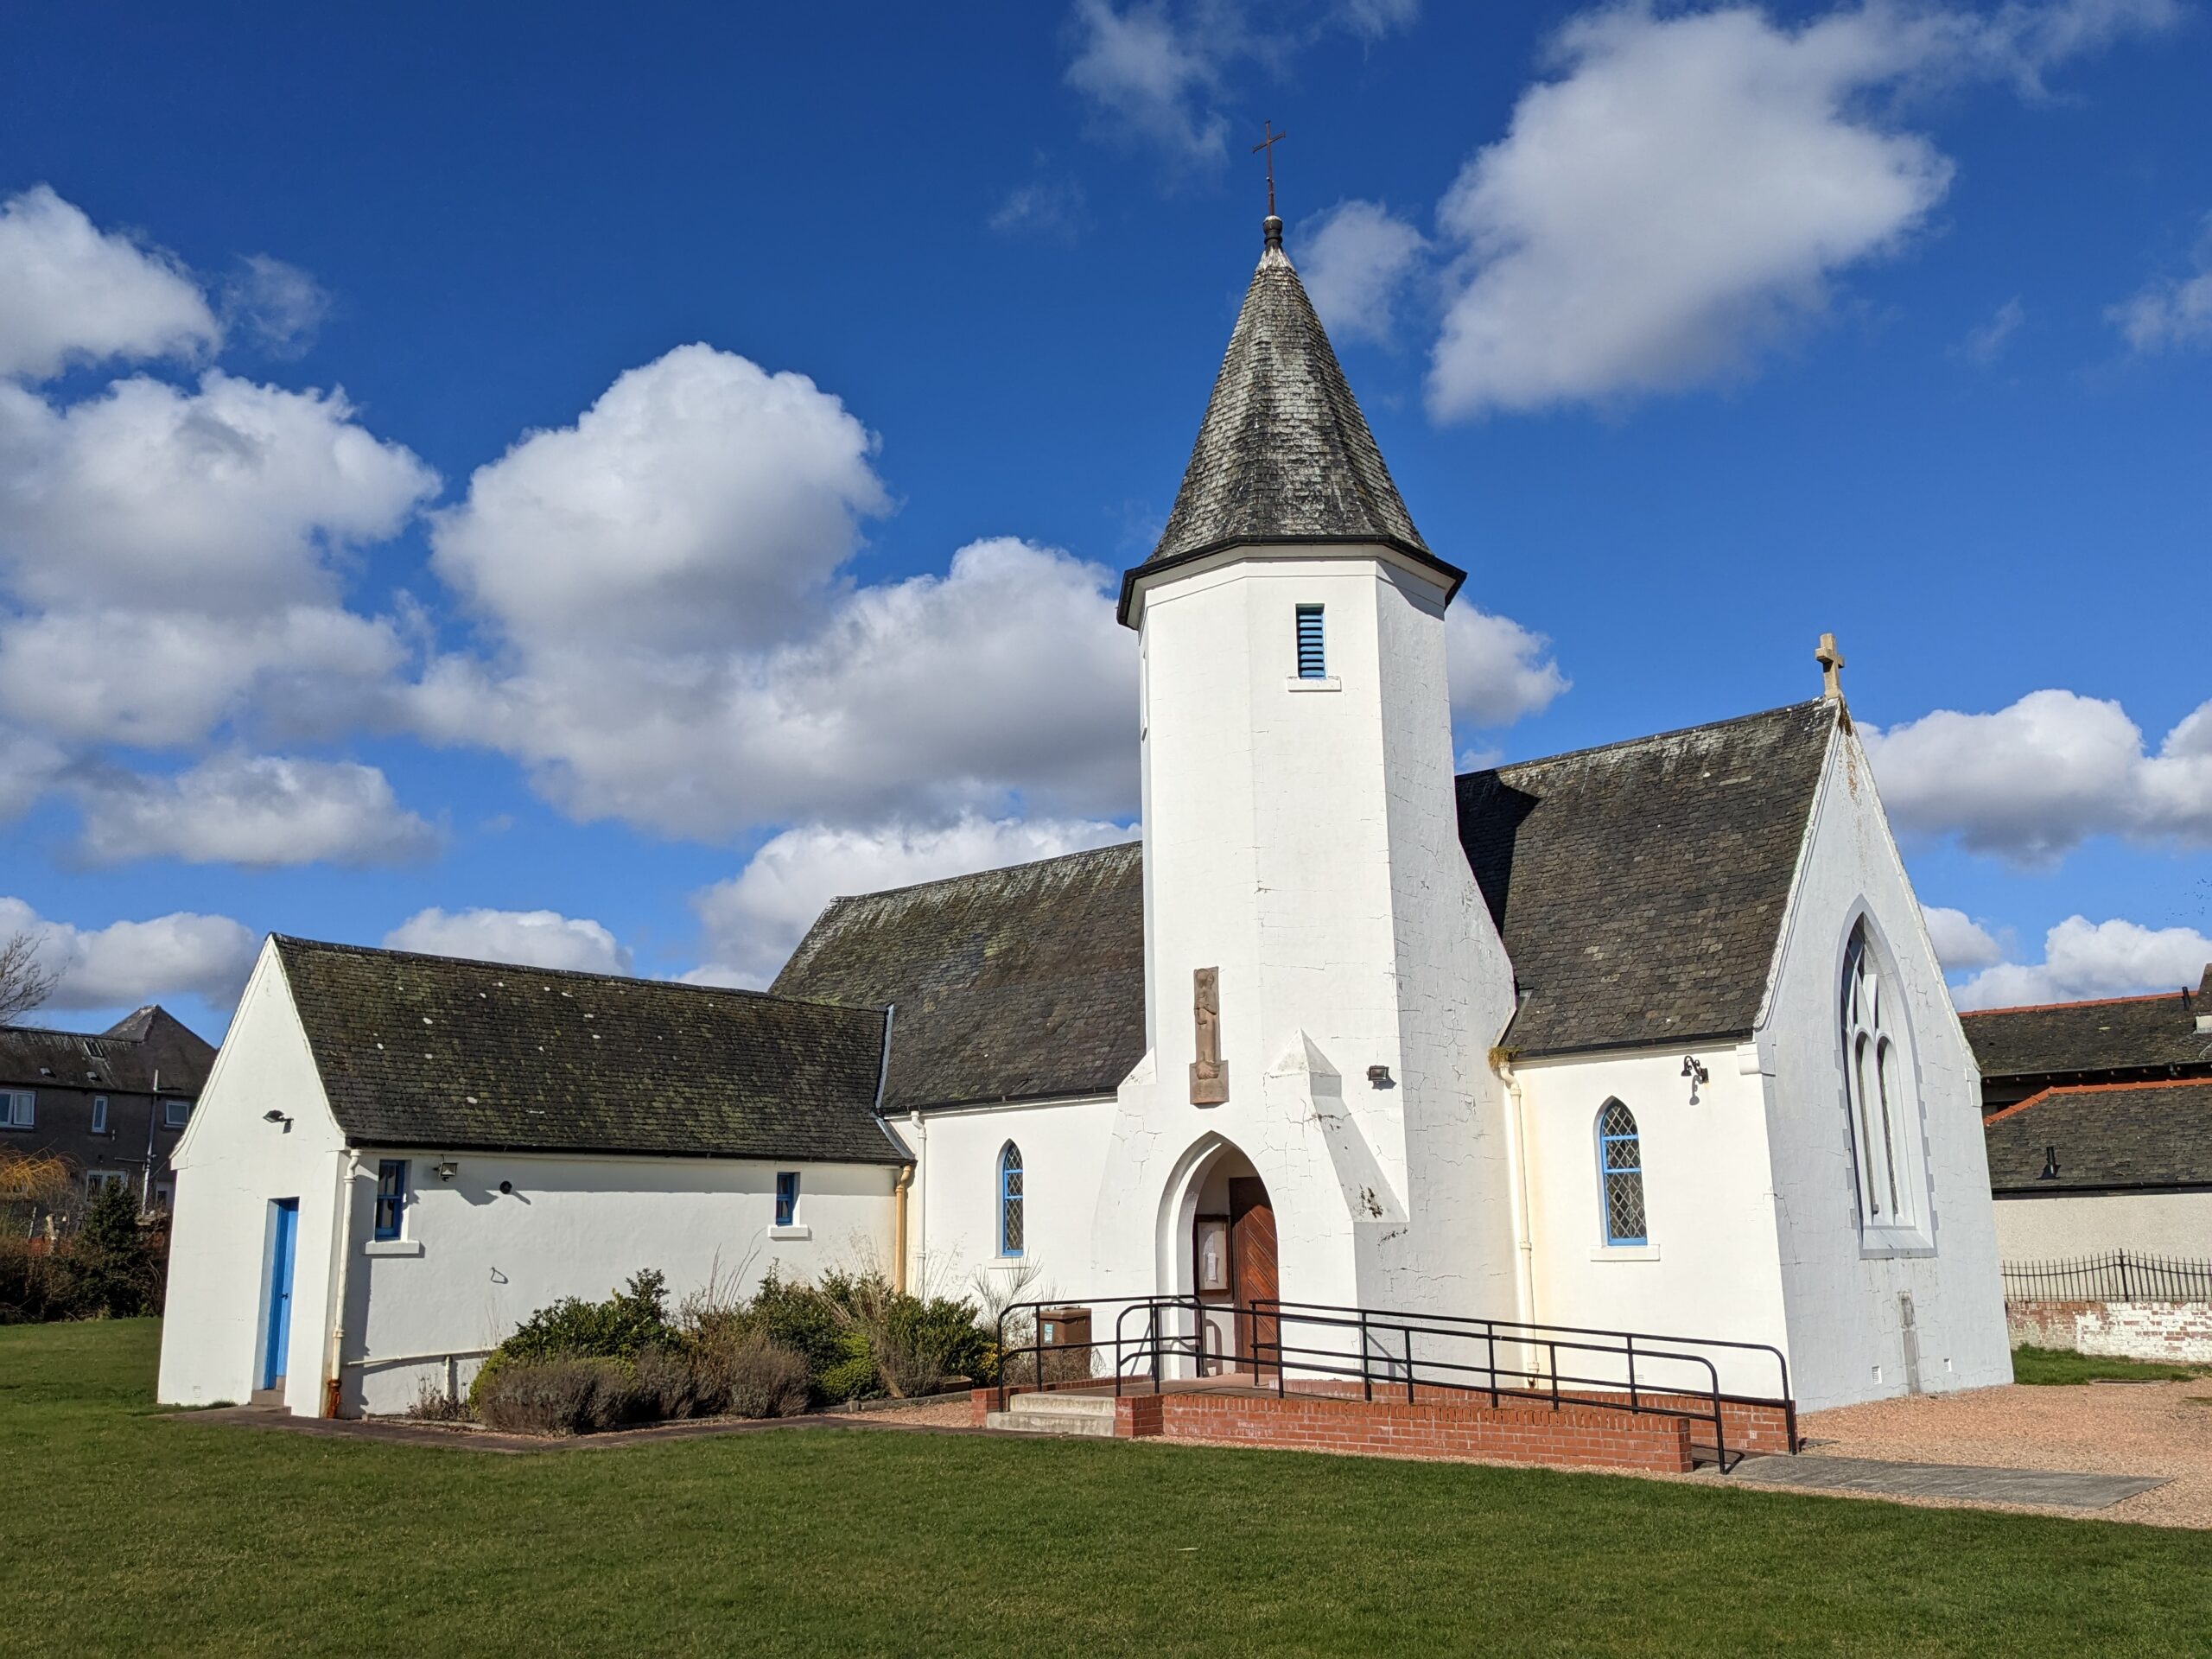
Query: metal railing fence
point(2122, 1276)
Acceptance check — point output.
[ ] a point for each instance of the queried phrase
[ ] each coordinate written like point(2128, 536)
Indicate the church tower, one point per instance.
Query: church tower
point(1323, 980)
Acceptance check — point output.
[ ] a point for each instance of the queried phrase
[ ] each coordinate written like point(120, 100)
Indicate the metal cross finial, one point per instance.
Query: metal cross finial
point(1267, 146)
point(1831, 662)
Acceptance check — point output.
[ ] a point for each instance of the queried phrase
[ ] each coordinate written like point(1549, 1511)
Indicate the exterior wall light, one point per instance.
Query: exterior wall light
point(272, 1116)
point(447, 1169)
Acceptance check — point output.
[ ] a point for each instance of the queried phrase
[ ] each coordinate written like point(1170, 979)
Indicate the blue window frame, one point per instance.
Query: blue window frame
point(392, 1196)
point(787, 1197)
point(1010, 1216)
point(1620, 1172)
point(1313, 653)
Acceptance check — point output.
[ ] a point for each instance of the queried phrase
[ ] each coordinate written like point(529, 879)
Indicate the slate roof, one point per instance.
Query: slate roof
point(438, 1052)
point(1640, 887)
point(1284, 454)
point(126, 1057)
point(2135, 1033)
point(1015, 984)
point(2106, 1135)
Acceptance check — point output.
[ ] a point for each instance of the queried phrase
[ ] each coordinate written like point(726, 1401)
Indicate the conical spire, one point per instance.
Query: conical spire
point(1284, 454)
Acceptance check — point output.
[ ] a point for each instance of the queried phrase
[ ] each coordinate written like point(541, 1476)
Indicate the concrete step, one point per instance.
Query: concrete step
point(1089, 1405)
point(1049, 1422)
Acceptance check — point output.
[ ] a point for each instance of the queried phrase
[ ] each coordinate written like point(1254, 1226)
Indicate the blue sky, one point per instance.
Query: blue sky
point(590, 487)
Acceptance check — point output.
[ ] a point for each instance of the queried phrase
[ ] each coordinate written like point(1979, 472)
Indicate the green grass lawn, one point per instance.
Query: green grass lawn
point(126, 1531)
point(2060, 1365)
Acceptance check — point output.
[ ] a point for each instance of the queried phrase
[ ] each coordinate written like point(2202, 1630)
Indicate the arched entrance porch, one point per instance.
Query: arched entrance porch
point(1218, 1246)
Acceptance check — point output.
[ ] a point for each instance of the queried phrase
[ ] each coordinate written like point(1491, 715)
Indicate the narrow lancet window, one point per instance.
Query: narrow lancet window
point(1010, 1217)
point(1620, 1172)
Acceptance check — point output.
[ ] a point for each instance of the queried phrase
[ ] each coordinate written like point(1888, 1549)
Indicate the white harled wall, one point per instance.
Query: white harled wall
point(1841, 1293)
point(2066, 1226)
point(1710, 1268)
point(1301, 837)
point(230, 1163)
point(952, 1208)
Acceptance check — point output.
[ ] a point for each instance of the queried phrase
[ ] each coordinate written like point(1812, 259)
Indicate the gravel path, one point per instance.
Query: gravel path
point(2137, 1428)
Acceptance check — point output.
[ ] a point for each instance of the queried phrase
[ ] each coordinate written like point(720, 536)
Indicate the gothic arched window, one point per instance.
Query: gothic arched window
point(1010, 1200)
point(1884, 1117)
point(1620, 1175)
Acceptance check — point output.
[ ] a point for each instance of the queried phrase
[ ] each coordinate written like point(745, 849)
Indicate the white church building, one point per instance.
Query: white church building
point(1645, 1038)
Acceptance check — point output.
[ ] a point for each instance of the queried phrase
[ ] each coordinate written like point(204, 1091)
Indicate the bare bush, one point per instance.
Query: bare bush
point(752, 1377)
point(558, 1397)
point(670, 1385)
point(434, 1405)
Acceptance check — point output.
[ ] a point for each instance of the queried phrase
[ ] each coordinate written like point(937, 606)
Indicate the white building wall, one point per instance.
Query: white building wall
point(1846, 1339)
point(1300, 838)
point(230, 1164)
point(1710, 1269)
point(953, 1207)
point(2065, 1227)
point(474, 1262)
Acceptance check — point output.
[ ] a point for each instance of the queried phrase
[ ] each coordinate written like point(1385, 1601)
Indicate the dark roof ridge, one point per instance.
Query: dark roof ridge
point(995, 869)
point(2185, 994)
point(558, 972)
point(1653, 737)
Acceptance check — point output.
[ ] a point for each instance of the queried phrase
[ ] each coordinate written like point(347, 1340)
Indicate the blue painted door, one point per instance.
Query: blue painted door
point(284, 1236)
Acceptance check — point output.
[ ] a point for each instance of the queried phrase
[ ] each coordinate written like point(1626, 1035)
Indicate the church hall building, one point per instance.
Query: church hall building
point(1646, 1037)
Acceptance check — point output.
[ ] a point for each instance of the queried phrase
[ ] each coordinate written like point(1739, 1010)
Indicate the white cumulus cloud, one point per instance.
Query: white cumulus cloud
point(754, 920)
point(701, 501)
point(126, 964)
point(1686, 186)
point(70, 292)
point(532, 938)
point(1497, 670)
point(2033, 780)
point(2084, 959)
point(1354, 259)
point(263, 809)
point(1960, 942)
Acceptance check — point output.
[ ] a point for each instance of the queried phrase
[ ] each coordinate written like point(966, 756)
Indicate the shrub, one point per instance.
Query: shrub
point(557, 1396)
point(853, 1374)
point(806, 1320)
point(755, 1377)
point(922, 1345)
point(113, 1266)
point(632, 1319)
point(434, 1405)
point(670, 1385)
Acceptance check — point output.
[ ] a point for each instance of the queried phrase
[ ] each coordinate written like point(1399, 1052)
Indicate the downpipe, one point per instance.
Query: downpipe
point(333, 1384)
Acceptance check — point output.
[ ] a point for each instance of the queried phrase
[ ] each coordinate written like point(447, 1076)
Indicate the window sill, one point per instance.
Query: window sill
point(791, 1232)
point(1625, 1252)
point(1296, 684)
point(392, 1247)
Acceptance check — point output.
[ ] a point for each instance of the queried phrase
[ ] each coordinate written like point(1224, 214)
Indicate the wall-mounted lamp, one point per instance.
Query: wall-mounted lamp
point(447, 1169)
point(1379, 1076)
point(1694, 1069)
point(272, 1116)
point(507, 1187)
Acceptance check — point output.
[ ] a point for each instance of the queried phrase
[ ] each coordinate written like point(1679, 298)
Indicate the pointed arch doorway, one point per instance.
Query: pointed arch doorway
point(1234, 1266)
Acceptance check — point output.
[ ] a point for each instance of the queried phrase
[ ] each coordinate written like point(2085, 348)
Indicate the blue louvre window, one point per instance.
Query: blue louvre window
point(787, 1197)
point(1312, 658)
point(1620, 1171)
point(391, 1195)
point(1010, 1217)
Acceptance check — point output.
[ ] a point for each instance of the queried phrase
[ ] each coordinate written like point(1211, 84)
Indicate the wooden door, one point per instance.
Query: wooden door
point(276, 1325)
point(1253, 1276)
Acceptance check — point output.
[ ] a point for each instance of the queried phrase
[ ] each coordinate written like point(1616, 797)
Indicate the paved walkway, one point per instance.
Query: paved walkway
point(1964, 1482)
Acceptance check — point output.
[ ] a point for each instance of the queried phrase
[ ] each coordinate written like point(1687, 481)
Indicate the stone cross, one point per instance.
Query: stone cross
point(1209, 1074)
point(1831, 662)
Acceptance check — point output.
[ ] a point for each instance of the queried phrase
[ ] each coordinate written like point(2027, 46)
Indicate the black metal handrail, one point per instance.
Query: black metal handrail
point(1261, 1346)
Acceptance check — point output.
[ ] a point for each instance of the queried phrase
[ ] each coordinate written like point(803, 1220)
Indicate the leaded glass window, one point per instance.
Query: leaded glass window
point(1883, 1118)
point(1010, 1200)
point(1620, 1169)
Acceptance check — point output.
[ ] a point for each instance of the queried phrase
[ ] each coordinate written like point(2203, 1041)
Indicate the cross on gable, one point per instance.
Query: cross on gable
point(1831, 662)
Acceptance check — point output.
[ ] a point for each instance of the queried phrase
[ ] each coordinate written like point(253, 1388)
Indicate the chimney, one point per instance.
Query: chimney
point(2204, 997)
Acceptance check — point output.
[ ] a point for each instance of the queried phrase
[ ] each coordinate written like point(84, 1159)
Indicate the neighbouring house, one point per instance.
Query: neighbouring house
point(110, 1104)
point(1646, 1037)
point(399, 1158)
point(2099, 1120)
